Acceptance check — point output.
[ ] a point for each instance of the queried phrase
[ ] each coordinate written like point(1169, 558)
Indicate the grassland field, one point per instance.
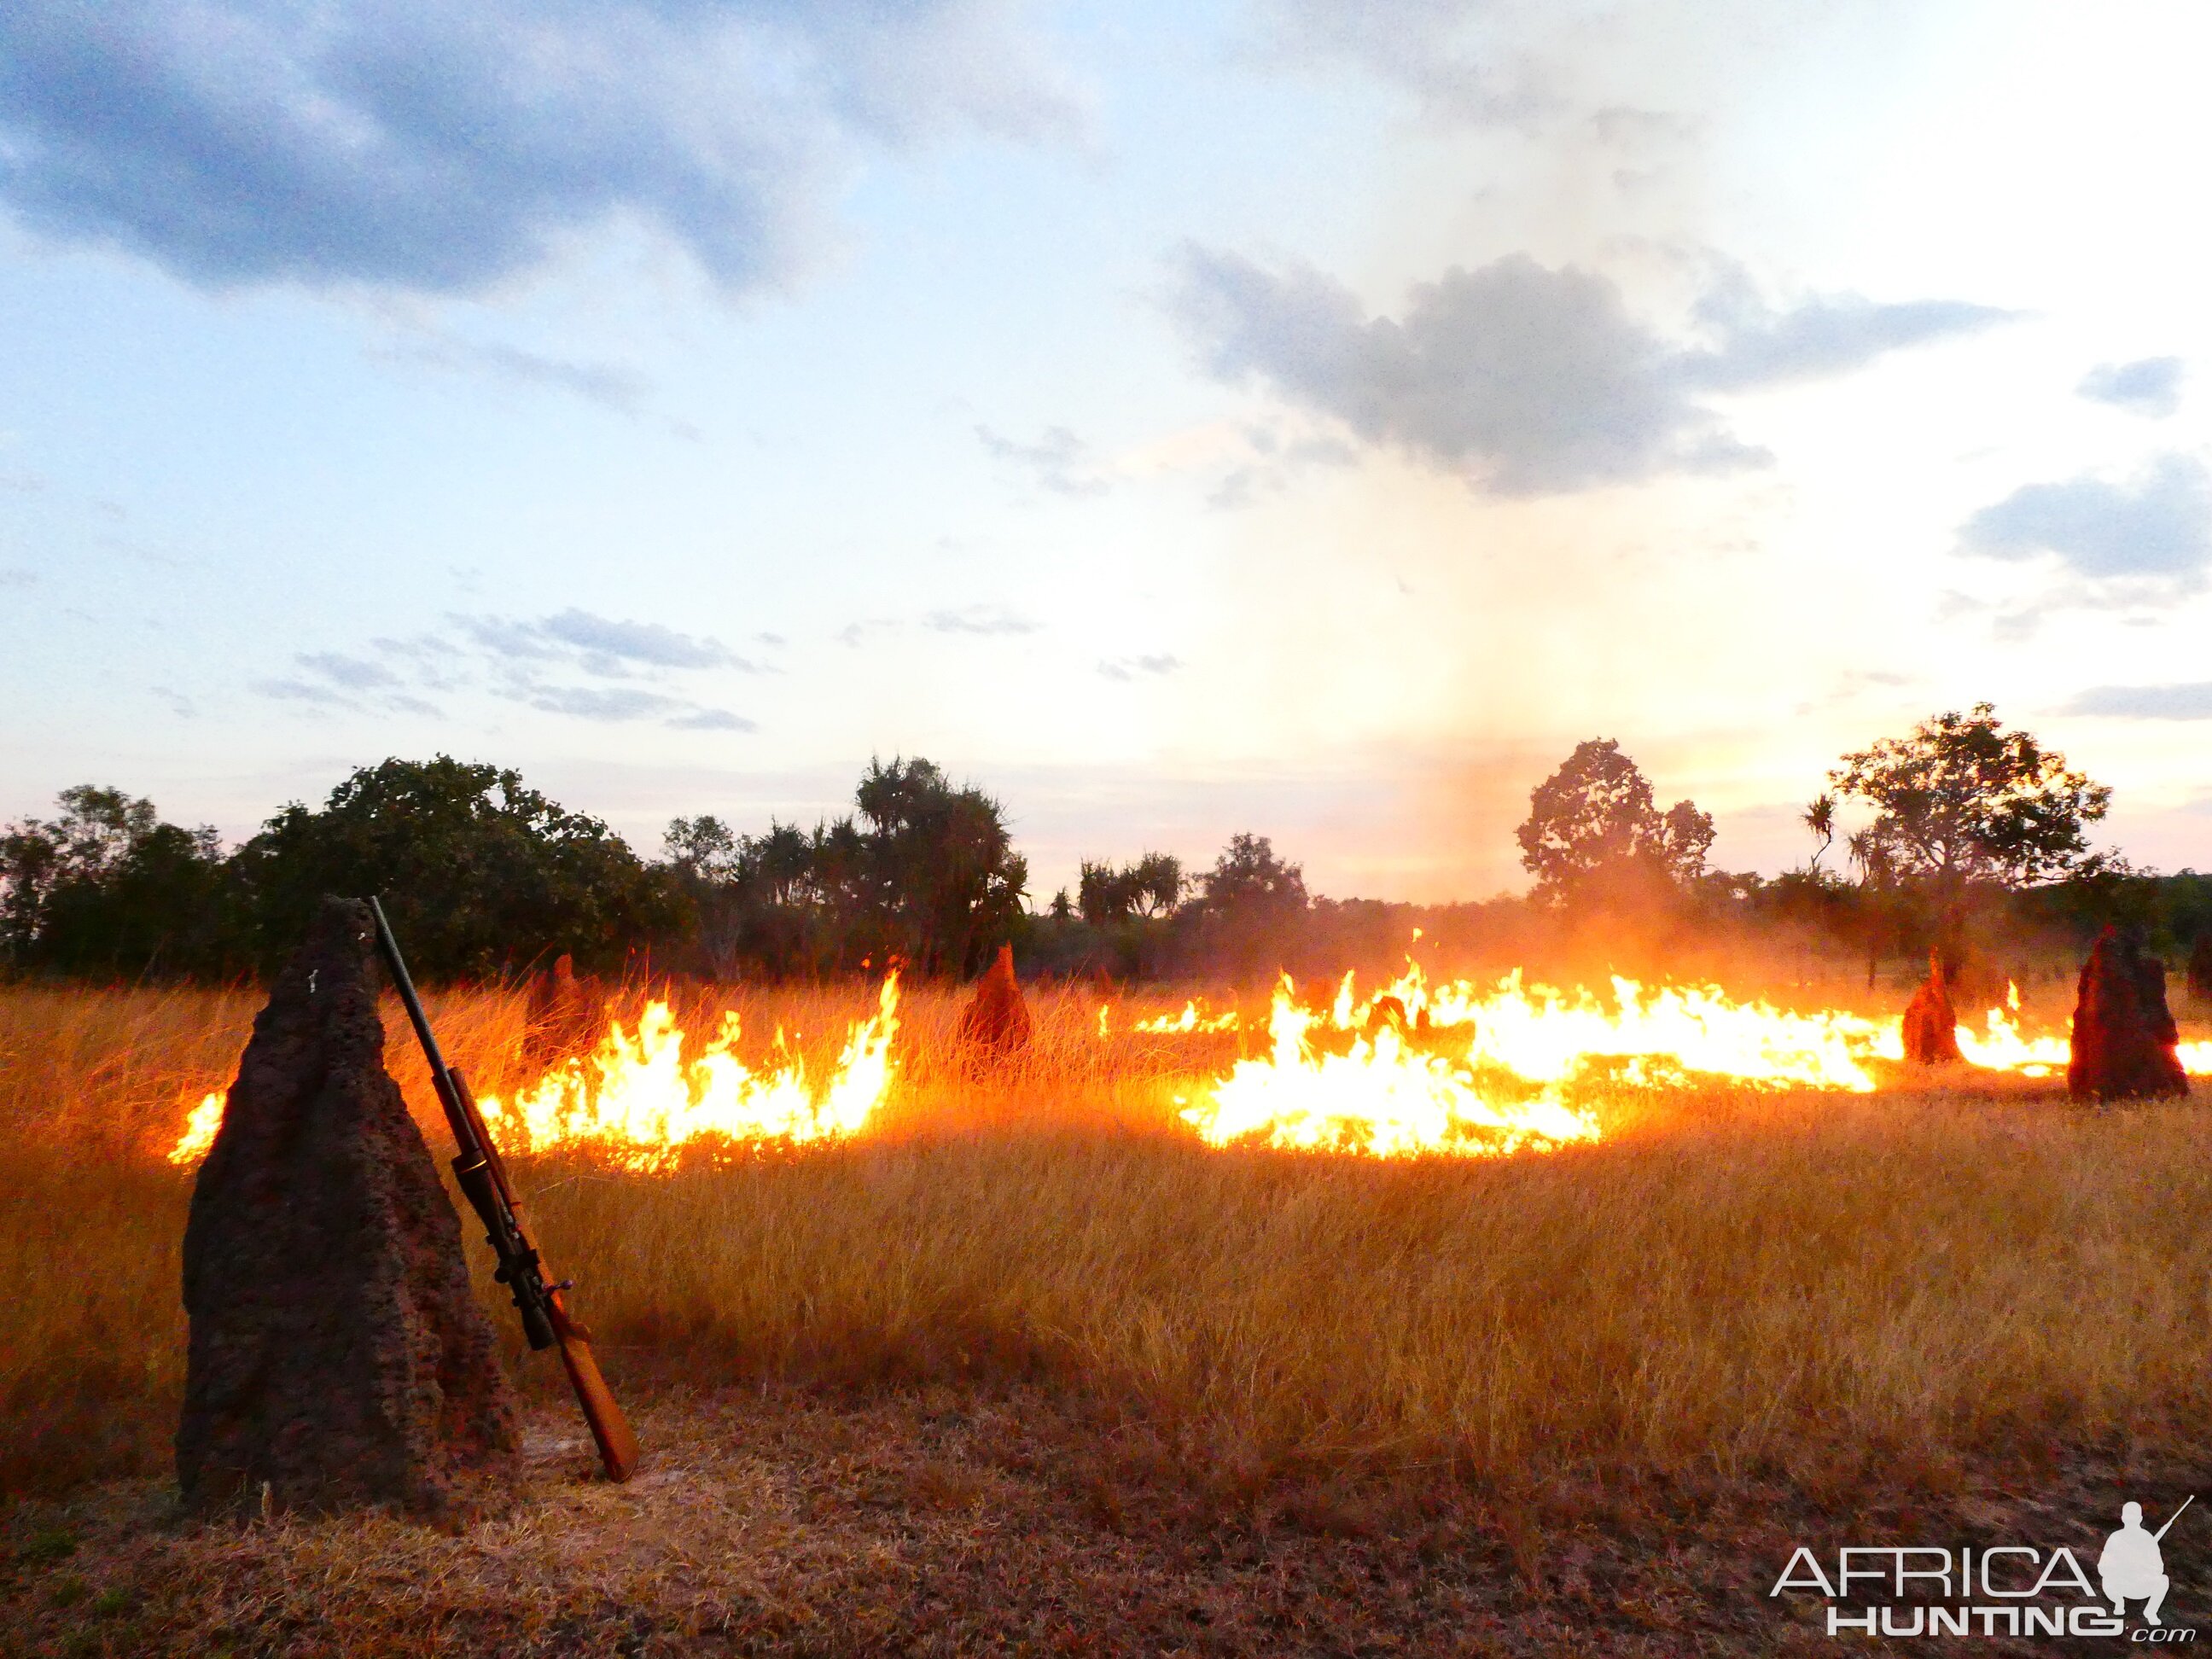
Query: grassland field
point(1028, 1369)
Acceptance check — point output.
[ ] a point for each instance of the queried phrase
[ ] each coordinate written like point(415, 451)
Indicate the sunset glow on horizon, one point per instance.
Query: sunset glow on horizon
point(1278, 416)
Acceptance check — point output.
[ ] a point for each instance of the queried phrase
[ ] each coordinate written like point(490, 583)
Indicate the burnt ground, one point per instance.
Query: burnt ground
point(936, 1523)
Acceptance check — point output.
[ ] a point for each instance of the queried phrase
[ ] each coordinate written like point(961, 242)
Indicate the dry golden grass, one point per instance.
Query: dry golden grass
point(1731, 1282)
point(1029, 1370)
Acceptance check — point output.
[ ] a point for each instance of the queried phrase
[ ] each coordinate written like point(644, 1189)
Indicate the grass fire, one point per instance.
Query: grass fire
point(1470, 1271)
point(1271, 830)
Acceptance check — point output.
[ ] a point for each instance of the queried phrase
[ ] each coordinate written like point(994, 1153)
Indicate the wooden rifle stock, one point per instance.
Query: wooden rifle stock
point(609, 1428)
point(483, 1176)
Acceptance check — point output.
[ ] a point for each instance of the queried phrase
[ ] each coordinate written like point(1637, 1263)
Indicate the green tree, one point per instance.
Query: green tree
point(480, 873)
point(1249, 881)
point(1819, 818)
point(948, 883)
point(1151, 888)
point(1594, 835)
point(922, 870)
point(1250, 907)
point(1962, 802)
point(105, 887)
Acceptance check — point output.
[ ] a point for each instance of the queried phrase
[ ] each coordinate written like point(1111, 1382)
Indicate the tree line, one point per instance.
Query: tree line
point(485, 877)
point(1966, 828)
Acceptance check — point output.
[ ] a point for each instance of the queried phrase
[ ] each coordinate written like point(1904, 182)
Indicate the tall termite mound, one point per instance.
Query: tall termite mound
point(337, 1354)
point(996, 1022)
point(2124, 1037)
point(1931, 1024)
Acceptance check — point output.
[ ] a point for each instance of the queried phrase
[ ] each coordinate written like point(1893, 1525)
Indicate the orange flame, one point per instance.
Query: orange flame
point(1190, 1020)
point(1382, 1097)
point(199, 1129)
point(1388, 1097)
point(638, 1102)
point(1496, 1082)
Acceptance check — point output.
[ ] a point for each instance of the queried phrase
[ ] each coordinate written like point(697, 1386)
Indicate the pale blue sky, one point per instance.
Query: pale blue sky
point(1303, 417)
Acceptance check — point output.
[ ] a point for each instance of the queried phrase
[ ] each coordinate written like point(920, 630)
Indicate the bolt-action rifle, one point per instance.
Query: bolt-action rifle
point(2175, 1516)
point(482, 1177)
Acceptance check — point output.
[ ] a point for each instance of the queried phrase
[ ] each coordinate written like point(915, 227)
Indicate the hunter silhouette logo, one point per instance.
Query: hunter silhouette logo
point(1996, 1590)
point(2131, 1566)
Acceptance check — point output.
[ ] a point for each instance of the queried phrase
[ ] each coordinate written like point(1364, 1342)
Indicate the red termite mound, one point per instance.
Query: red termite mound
point(996, 1022)
point(2123, 1034)
point(564, 1014)
point(2200, 967)
point(1931, 1024)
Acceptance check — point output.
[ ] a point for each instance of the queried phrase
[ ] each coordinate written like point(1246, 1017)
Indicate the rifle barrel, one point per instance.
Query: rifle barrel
point(482, 1177)
point(388, 947)
point(2175, 1516)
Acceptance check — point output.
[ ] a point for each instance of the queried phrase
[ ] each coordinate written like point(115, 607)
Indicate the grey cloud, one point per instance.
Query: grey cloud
point(525, 662)
point(643, 642)
point(1530, 380)
point(978, 619)
point(345, 682)
point(712, 719)
point(2148, 385)
point(503, 638)
point(1127, 668)
point(620, 705)
point(1762, 347)
point(351, 672)
point(606, 646)
point(301, 691)
point(441, 145)
point(1059, 460)
point(2146, 702)
point(854, 635)
point(2158, 527)
point(597, 703)
point(1276, 462)
point(606, 384)
point(1453, 55)
point(432, 658)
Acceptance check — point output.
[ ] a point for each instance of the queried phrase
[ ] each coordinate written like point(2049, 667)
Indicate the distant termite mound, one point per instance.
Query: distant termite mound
point(996, 1022)
point(564, 1014)
point(338, 1357)
point(1931, 1024)
point(2124, 1037)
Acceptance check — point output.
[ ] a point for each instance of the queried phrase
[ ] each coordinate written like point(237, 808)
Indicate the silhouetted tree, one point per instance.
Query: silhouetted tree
point(1594, 837)
point(1819, 818)
point(1249, 906)
point(948, 881)
point(923, 871)
point(1965, 811)
point(106, 889)
point(1152, 887)
point(1962, 800)
point(479, 871)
